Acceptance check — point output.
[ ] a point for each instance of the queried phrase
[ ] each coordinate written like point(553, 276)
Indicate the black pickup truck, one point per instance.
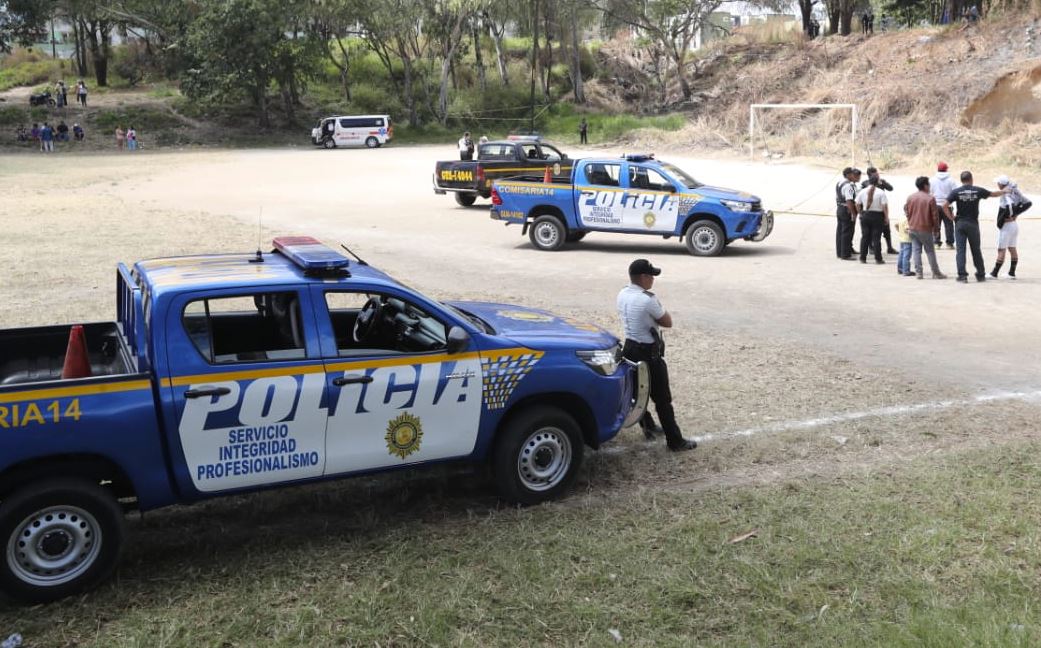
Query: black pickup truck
point(468, 179)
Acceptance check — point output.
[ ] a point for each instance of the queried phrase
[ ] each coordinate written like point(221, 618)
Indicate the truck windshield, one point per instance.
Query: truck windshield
point(682, 176)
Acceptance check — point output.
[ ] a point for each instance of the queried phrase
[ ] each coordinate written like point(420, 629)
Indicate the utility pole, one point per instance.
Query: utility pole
point(534, 58)
point(54, 41)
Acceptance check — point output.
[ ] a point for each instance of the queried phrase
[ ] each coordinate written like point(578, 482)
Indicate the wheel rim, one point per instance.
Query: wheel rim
point(704, 239)
point(54, 546)
point(546, 235)
point(371, 142)
point(544, 459)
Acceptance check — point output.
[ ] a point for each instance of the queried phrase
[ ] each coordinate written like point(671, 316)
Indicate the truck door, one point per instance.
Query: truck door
point(651, 202)
point(247, 388)
point(600, 196)
point(396, 396)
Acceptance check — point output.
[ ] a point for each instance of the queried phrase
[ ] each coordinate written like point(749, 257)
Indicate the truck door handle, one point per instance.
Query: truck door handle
point(351, 380)
point(207, 391)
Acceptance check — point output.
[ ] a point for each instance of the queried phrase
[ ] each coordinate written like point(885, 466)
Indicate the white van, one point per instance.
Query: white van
point(347, 130)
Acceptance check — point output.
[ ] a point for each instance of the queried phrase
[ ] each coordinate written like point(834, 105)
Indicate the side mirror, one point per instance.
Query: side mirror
point(458, 340)
point(672, 188)
point(563, 156)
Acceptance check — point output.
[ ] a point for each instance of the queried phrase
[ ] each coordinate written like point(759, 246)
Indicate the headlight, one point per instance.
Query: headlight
point(737, 205)
point(602, 361)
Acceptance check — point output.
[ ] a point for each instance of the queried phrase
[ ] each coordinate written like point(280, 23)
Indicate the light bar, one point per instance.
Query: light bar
point(309, 253)
point(638, 157)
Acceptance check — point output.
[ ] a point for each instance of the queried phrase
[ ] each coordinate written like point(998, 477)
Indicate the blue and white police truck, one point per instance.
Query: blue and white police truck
point(635, 194)
point(237, 372)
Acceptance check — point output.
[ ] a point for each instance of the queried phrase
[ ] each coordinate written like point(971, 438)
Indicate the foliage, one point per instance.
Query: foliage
point(30, 73)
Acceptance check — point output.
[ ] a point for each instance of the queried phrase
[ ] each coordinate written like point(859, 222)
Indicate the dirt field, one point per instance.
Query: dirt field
point(786, 362)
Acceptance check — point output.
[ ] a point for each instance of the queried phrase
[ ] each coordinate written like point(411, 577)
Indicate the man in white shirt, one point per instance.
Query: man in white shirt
point(874, 217)
point(642, 315)
point(941, 185)
point(466, 147)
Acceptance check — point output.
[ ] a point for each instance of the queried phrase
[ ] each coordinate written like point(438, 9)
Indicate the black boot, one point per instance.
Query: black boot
point(1012, 268)
point(997, 267)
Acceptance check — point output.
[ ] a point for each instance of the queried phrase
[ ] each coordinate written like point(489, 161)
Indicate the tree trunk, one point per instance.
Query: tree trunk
point(260, 98)
point(410, 96)
point(833, 16)
point(345, 68)
point(478, 58)
point(536, 72)
point(806, 8)
point(549, 57)
point(576, 61)
point(846, 19)
point(500, 57)
point(679, 58)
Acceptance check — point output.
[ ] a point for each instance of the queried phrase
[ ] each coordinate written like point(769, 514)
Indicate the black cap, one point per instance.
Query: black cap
point(643, 267)
point(855, 171)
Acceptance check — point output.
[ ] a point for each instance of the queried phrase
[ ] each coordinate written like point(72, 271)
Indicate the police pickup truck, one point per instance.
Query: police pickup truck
point(634, 195)
point(232, 373)
point(468, 179)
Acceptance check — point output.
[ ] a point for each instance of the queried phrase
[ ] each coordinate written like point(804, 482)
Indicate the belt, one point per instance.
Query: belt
point(644, 345)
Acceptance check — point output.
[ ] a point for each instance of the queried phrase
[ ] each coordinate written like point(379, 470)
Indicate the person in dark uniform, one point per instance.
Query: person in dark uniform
point(967, 224)
point(583, 128)
point(845, 212)
point(880, 183)
point(642, 315)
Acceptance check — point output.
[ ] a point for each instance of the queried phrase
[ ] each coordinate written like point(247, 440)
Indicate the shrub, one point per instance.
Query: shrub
point(12, 116)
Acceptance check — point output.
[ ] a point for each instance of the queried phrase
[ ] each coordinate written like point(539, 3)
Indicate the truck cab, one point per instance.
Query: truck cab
point(468, 180)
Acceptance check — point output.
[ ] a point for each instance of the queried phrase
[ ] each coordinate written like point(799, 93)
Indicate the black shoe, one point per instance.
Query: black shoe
point(963, 279)
point(879, 262)
point(994, 273)
point(909, 274)
point(650, 432)
point(863, 260)
point(892, 251)
point(981, 278)
point(686, 444)
point(849, 258)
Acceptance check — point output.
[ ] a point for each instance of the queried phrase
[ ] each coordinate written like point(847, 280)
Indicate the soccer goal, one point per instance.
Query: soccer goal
point(852, 129)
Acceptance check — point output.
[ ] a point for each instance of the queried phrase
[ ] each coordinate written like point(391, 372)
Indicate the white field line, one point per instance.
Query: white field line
point(879, 412)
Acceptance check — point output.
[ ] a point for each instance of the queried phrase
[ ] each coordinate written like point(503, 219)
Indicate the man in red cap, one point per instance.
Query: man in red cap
point(942, 185)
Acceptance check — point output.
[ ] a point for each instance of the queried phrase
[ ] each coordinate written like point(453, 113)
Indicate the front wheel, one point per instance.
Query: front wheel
point(61, 536)
point(465, 199)
point(575, 237)
point(537, 455)
point(372, 142)
point(705, 238)
point(547, 233)
point(329, 143)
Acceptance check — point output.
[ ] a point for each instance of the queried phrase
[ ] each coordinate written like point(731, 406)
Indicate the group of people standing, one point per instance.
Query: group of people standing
point(61, 94)
point(937, 207)
point(126, 139)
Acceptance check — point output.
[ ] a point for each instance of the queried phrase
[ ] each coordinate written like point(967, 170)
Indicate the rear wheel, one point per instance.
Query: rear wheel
point(705, 238)
point(61, 536)
point(372, 142)
point(329, 143)
point(465, 199)
point(547, 233)
point(537, 455)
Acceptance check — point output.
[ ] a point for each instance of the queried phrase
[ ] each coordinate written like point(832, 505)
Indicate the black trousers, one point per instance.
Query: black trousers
point(661, 394)
point(968, 232)
point(582, 136)
point(946, 228)
point(843, 233)
point(871, 226)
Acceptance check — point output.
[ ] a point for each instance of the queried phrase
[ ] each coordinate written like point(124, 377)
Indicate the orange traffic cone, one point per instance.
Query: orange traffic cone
point(548, 176)
point(77, 364)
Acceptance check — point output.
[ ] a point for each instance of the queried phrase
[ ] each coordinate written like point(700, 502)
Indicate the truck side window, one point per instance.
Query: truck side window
point(388, 325)
point(644, 178)
point(605, 175)
point(266, 326)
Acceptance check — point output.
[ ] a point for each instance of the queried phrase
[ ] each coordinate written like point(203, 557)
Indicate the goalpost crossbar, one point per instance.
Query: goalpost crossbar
point(798, 106)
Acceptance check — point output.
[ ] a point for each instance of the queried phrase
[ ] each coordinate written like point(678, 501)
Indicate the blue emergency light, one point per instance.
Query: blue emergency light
point(310, 254)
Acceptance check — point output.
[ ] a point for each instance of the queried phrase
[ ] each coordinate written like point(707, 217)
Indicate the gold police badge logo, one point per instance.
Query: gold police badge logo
point(404, 434)
point(648, 219)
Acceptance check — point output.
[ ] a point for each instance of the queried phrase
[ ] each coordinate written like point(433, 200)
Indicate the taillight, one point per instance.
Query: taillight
point(480, 173)
point(496, 199)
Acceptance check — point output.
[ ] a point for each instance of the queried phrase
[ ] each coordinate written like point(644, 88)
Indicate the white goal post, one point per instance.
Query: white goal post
point(852, 131)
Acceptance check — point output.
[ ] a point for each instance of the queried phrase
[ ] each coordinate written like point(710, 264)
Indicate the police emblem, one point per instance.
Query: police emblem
point(526, 316)
point(648, 219)
point(404, 434)
point(556, 169)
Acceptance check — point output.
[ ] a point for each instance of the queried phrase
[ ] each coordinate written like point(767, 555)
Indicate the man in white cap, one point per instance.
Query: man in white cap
point(1012, 205)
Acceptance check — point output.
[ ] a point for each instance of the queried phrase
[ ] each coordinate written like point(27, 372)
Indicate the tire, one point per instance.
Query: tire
point(705, 238)
point(547, 233)
point(329, 143)
point(371, 142)
point(465, 199)
point(574, 237)
point(44, 526)
point(537, 455)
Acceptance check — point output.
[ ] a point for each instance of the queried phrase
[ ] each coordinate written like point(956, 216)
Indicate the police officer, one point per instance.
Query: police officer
point(642, 315)
point(846, 212)
point(874, 177)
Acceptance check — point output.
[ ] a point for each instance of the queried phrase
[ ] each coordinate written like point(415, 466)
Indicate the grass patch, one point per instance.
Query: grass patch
point(25, 68)
point(932, 555)
point(141, 117)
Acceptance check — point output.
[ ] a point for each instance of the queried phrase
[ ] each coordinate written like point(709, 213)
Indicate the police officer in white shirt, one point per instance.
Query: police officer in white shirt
point(642, 314)
point(466, 147)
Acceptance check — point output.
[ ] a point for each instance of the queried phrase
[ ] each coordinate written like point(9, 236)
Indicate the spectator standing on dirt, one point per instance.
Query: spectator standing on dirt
point(1012, 204)
point(47, 138)
point(942, 185)
point(967, 224)
point(921, 212)
point(583, 128)
point(21, 135)
point(903, 234)
point(120, 138)
point(81, 93)
point(63, 131)
point(887, 234)
point(77, 133)
point(864, 22)
point(845, 212)
point(35, 132)
point(466, 147)
point(642, 315)
point(58, 98)
point(874, 216)
point(131, 139)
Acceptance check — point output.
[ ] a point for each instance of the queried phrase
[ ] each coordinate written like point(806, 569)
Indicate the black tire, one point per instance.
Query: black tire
point(329, 143)
point(372, 142)
point(574, 237)
point(465, 199)
point(76, 517)
point(705, 238)
point(537, 455)
point(547, 233)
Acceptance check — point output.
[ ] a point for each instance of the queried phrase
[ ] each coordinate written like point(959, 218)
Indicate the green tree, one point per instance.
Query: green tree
point(23, 22)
